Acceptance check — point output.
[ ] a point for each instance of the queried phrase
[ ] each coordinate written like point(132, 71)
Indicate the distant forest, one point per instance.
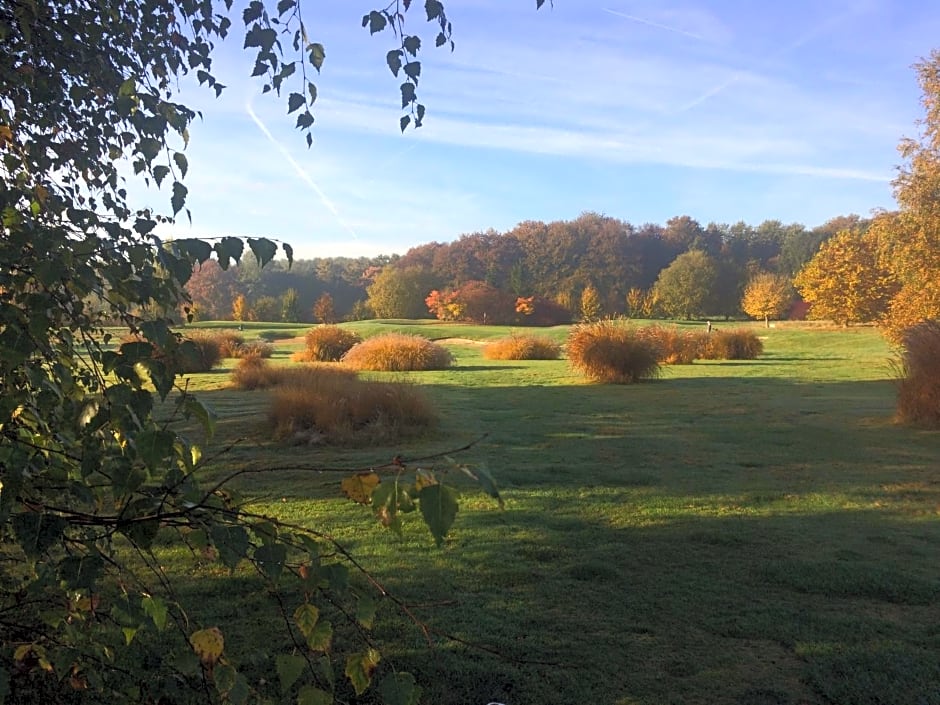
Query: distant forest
point(554, 262)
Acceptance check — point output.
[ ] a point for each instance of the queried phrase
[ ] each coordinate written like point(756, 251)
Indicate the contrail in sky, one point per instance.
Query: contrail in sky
point(301, 172)
point(650, 23)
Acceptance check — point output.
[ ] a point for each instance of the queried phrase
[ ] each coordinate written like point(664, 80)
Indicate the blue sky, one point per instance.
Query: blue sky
point(723, 110)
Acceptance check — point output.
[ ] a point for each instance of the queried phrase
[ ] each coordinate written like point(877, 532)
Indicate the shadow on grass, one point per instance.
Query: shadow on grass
point(734, 541)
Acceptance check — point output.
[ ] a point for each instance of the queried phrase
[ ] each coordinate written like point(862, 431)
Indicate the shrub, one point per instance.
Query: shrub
point(522, 347)
point(676, 347)
point(397, 352)
point(611, 351)
point(738, 344)
point(320, 406)
point(327, 344)
point(919, 375)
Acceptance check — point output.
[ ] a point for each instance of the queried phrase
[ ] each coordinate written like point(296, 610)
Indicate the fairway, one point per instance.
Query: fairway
point(751, 533)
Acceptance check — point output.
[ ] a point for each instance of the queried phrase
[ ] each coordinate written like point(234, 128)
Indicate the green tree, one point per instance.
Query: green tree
point(94, 469)
point(400, 293)
point(767, 296)
point(685, 289)
point(844, 282)
point(290, 306)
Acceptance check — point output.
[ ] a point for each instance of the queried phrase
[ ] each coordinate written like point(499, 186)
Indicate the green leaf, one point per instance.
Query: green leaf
point(404, 122)
point(407, 94)
point(486, 482)
point(314, 696)
point(295, 101)
point(181, 163)
point(285, 5)
point(359, 668)
point(412, 44)
point(439, 509)
point(366, 607)
point(156, 609)
point(231, 542)
point(399, 689)
point(155, 446)
point(4, 685)
point(227, 249)
point(240, 691)
point(263, 249)
point(289, 667)
point(321, 636)
point(179, 197)
point(306, 617)
point(271, 558)
point(160, 172)
point(199, 250)
point(393, 59)
point(377, 22)
point(38, 532)
point(413, 70)
point(288, 253)
point(434, 9)
point(253, 12)
point(202, 412)
point(317, 55)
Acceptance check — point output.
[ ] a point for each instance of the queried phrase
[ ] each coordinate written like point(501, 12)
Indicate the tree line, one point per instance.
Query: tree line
point(537, 272)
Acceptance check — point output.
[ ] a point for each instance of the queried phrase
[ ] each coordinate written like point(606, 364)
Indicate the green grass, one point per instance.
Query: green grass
point(740, 533)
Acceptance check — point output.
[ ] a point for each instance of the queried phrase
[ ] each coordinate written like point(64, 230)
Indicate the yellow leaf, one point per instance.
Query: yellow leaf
point(359, 487)
point(208, 645)
point(6, 136)
point(424, 478)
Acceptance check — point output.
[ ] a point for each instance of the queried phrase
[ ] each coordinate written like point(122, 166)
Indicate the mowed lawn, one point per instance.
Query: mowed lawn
point(756, 533)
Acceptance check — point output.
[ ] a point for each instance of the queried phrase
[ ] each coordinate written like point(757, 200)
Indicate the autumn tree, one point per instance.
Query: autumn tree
point(97, 471)
point(844, 281)
point(685, 289)
point(240, 308)
point(767, 296)
point(591, 306)
point(323, 310)
point(909, 240)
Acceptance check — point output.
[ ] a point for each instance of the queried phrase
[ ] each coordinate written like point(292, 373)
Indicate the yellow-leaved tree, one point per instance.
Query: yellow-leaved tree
point(767, 296)
point(845, 282)
point(909, 240)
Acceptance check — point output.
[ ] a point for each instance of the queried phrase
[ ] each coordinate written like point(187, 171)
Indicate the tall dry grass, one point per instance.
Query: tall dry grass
point(321, 406)
point(613, 352)
point(919, 376)
point(327, 343)
point(253, 373)
point(522, 347)
point(397, 352)
point(675, 346)
point(734, 344)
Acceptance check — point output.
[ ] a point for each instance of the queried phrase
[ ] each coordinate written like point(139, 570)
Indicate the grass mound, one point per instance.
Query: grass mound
point(736, 344)
point(397, 352)
point(318, 405)
point(522, 347)
point(327, 344)
point(613, 352)
point(919, 379)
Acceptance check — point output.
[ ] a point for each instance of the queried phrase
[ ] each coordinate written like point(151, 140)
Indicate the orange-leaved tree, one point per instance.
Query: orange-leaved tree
point(844, 281)
point(767, 295)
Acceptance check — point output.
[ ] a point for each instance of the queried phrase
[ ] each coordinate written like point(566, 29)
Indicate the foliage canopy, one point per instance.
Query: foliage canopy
point(93, 468)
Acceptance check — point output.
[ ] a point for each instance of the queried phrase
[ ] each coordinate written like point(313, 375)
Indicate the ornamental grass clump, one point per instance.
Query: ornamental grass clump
point(736, 344)
point(522, 347)
point(676, 347)
point(397, 352)
point(253, 373)
point(321, 406)
point(327, 343)
point(919, 376)
point(230, 341)
point(613, 352)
